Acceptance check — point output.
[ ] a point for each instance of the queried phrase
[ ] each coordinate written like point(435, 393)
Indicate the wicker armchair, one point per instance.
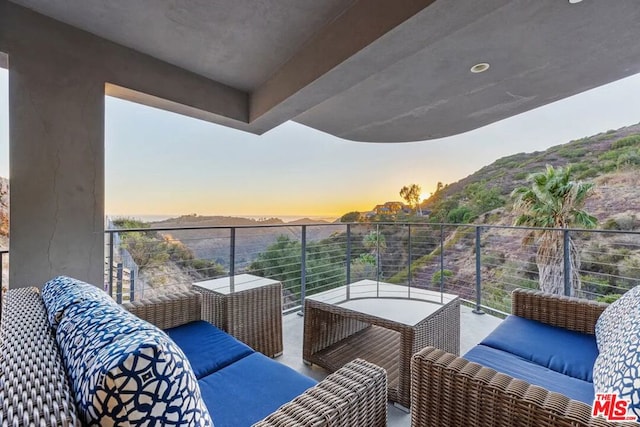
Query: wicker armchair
point(450, 391)
point(355, 395)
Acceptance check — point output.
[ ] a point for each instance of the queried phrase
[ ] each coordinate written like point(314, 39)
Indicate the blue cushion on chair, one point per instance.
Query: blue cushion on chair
point(250, 389)
point(62, 292)
point(568, 352)
point(207, 347)
point(535, 374)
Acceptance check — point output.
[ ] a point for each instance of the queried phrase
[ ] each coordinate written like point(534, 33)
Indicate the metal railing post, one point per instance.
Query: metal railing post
point(478, 309)
point(119, 284)
point(348, 261)
point(132, 285)
point(232, 252)
point(441, 263)
point(567, 262)
point(377, 260)
point(111, 264)
point(409, 260)
point(303, 267)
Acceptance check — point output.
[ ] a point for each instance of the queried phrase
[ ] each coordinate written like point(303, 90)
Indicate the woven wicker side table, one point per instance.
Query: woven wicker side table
point(247, 307)
point(381, 323)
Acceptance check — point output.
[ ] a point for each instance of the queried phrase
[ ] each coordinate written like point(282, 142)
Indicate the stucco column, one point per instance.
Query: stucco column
point(56, 109)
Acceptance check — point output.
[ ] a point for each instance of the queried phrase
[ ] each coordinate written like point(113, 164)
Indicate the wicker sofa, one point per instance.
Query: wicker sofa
point(456, 391)
point(36, 386)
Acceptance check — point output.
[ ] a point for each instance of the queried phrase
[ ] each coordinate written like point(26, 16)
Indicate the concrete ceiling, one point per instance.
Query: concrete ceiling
point(377, 70)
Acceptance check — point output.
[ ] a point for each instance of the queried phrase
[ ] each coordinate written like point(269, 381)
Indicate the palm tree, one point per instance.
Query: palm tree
point(553, 200)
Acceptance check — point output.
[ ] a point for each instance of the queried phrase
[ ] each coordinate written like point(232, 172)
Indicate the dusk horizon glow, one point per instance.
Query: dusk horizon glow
point(161, 163)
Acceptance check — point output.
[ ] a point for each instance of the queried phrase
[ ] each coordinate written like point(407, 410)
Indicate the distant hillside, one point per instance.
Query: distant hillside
point(214, 244)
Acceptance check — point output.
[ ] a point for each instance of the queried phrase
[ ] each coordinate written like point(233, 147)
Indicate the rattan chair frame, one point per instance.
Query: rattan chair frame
point(447, 390)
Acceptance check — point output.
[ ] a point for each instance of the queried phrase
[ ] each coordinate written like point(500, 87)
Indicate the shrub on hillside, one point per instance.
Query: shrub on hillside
point(460, 215)
point(626, 222)
point(628, 159)
point(439, 276)
point(627, 141)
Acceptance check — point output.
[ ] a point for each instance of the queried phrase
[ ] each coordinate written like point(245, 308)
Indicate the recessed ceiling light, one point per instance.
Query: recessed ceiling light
point(574, 1)
point(480, 68)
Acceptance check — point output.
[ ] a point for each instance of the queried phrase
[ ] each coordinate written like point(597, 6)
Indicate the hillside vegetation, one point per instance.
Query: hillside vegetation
point(602, 158)
point(610, 261)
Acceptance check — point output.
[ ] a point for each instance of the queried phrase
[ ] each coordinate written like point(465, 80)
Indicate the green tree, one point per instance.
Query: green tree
point(282, 261)
point(553, 200)
point(350, 217)
point(411, 194)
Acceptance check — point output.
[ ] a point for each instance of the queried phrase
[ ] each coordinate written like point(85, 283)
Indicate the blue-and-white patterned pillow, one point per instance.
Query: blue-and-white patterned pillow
point(617, 367)
point(142, 379)
point(611, 323)
point(61, 292)
point(89, 326)
point(125, 371)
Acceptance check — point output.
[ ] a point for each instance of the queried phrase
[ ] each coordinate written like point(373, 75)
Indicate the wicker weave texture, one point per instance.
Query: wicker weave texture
point(34, 389)
point(354, 396)
point(575, 314)
point(168, 311)
point(450, 391)
point(447, 390)
point(253, 316)
point(334, 335)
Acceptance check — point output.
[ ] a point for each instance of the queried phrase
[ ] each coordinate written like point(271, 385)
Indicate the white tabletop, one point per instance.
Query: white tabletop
point(396, 303)
point(237, 283)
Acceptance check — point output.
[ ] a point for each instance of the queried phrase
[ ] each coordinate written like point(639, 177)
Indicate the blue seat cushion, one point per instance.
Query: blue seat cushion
point(567, 352)
point(520, 368)
point(252, 388)
point(207, 348)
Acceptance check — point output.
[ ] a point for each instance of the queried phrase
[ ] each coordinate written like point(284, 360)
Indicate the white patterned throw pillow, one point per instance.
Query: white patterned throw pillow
point(62, 292)
point(125, 371)
point(611, 322)
point(617, 368)
point(141, 379)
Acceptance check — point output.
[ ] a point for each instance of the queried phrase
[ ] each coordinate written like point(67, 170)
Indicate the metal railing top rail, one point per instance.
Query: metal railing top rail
point(400, 223)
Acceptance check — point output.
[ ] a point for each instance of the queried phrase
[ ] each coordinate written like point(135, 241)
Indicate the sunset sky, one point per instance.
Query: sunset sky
point(160, 163)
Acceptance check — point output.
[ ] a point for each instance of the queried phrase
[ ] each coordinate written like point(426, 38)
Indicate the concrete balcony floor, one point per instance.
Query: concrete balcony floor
point(473, 329)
